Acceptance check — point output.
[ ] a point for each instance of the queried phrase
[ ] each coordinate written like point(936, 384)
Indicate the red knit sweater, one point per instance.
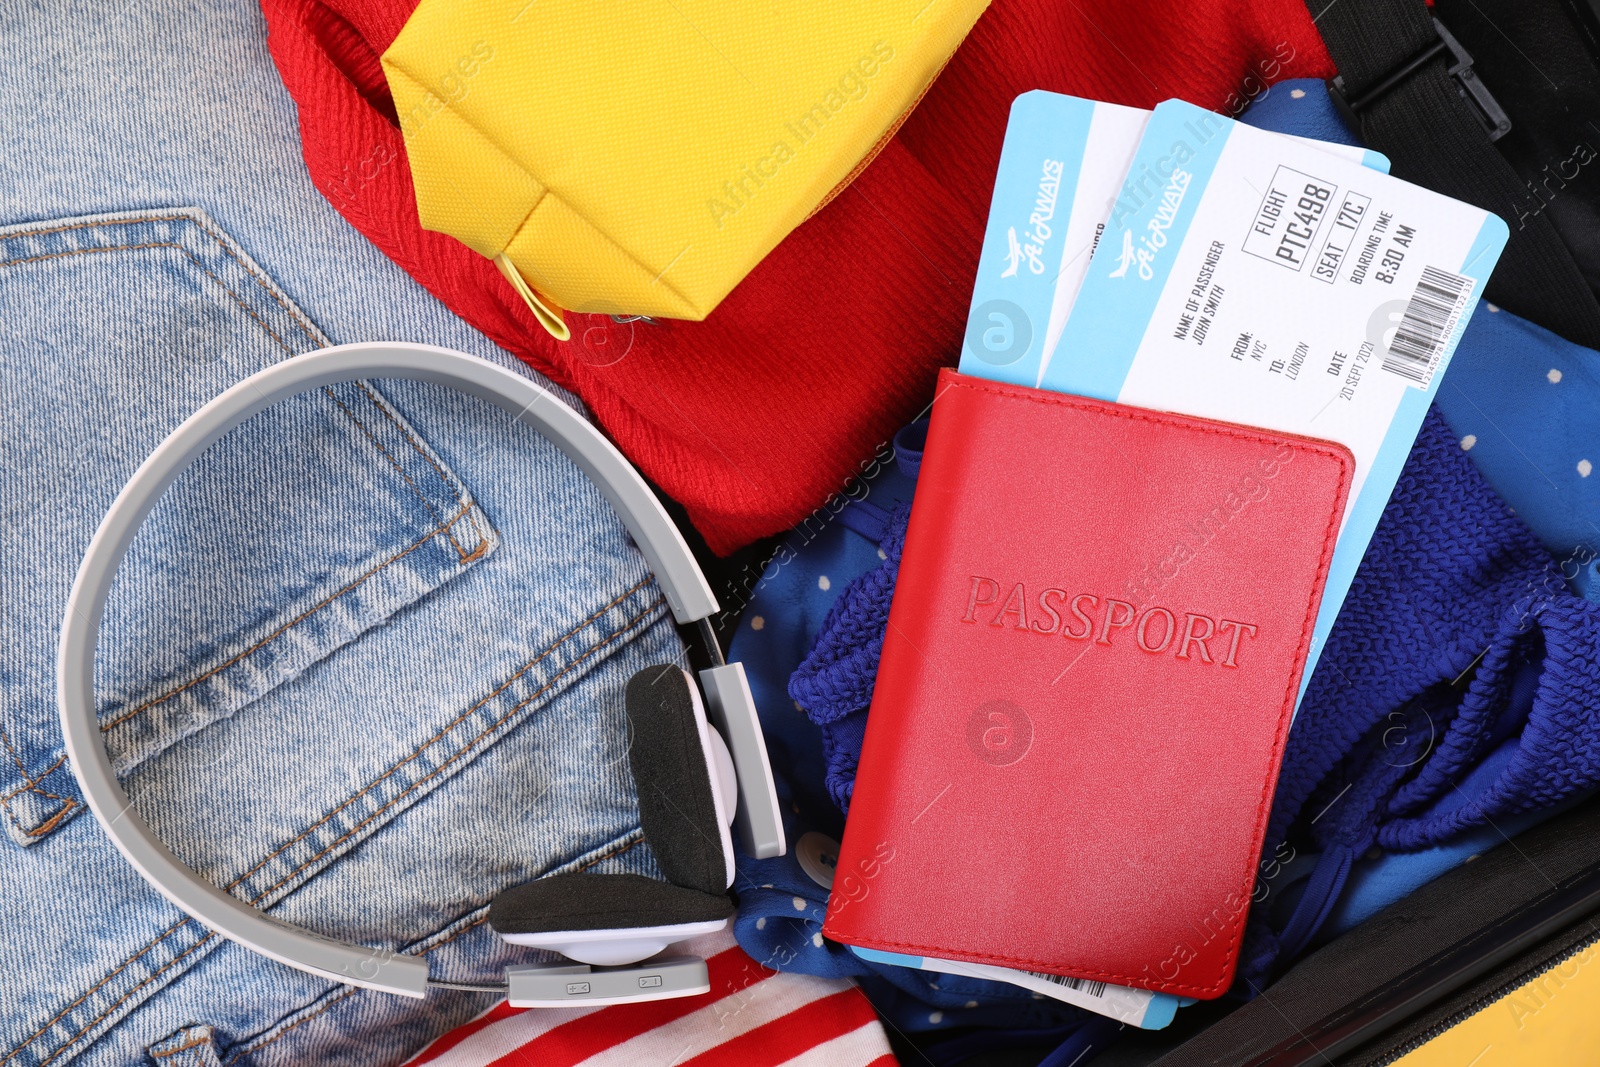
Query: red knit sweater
point(757, 415)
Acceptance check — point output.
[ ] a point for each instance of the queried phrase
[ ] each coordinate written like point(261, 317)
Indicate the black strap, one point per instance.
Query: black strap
point(1436, 129)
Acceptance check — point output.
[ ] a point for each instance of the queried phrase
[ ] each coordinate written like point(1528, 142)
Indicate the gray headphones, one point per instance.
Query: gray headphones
point(577, 915)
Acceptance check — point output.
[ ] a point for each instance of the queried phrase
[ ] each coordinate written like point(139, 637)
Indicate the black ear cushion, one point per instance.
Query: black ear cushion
point(676, 810)
point(601, 902)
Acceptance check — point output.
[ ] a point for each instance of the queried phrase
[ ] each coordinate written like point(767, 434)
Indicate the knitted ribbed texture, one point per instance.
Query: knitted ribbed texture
point(1451, 574)
point(1558, 752)
point(1452, 597)
point(1445, 562)
point(834, 683)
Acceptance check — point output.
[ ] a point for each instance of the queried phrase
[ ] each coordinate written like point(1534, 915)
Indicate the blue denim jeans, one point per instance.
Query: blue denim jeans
point(364, 664)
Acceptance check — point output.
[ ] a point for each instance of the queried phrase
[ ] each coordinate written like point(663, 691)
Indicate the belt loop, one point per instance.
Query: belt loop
point(190, 1046)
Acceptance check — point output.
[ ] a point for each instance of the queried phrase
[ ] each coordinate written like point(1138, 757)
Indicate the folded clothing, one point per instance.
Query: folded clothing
point(834, 682)
point(1525, 404)
point(834, 339)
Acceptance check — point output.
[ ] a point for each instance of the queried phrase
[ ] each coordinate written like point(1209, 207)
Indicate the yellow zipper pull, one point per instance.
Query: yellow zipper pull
point(548, 314)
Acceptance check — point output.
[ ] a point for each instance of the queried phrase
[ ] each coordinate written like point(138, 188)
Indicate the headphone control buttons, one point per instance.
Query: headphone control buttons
point(576, 989)
point(650, 981)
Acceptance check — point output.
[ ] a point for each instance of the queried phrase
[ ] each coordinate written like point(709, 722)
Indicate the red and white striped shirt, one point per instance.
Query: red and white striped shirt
point(753, 1017)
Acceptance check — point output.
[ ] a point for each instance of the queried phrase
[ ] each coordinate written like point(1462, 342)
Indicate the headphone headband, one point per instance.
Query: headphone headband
point(686, 589)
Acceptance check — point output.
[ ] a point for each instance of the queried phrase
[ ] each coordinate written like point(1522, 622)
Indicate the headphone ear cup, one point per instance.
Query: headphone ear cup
point(677, 810)
point(605, 919)
point(579, 901)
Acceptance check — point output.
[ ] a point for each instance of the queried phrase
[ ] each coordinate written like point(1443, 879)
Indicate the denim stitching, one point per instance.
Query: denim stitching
point(288, 309)
point(480, 920)
point(450, 484)
point(461, 553)
point(653, 605)
point(319, 339)
point(159, 244)
point(459, 753)
point(204, 1039)
point(43, 828)
point(31, 784)
point(92, 1023)
point(15, 758)
point(70, 804)
point(221, 240)
point(631, 843)
point(549, 649)
point(92, 225)
point(67, 805)
point(464, 750)
point(419, 450)
point(237, 1054)
point(168, 932)
point(172, 929)
point(274, 635)
point(298, 320)
point(316, 337)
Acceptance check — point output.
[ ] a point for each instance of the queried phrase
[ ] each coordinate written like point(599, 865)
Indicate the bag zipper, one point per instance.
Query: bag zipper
point(552, 318)
point(1458, 1017)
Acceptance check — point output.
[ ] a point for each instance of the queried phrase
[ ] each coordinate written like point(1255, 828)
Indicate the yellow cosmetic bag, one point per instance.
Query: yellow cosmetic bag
point(642, 156)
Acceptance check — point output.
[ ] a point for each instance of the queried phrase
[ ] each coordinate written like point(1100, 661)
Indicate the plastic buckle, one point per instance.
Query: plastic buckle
point(1493, 117)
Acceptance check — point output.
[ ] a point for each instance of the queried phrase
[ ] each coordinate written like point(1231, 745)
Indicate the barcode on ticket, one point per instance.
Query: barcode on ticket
point(1425, 328)
point(1081, 985)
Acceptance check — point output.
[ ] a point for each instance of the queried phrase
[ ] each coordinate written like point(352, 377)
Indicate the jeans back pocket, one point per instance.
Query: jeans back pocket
point(289, 538)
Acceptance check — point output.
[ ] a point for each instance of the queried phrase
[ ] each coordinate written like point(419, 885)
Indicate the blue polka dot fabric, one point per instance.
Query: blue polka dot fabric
point(1525, 405)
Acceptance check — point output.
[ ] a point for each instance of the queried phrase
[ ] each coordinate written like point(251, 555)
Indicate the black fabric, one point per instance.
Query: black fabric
point(1139, 1048)
point(676, 809)
point(1435, 139)
point(582, 901)
point(1443, 941)
point(1546, 76)
point(677, 814)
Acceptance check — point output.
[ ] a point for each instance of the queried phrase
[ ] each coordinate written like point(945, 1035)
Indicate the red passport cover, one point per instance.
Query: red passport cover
point(1090, 667)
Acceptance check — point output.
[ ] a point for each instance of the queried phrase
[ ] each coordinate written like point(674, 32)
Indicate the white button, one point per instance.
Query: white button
point(818, 855)
point(577, 988)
